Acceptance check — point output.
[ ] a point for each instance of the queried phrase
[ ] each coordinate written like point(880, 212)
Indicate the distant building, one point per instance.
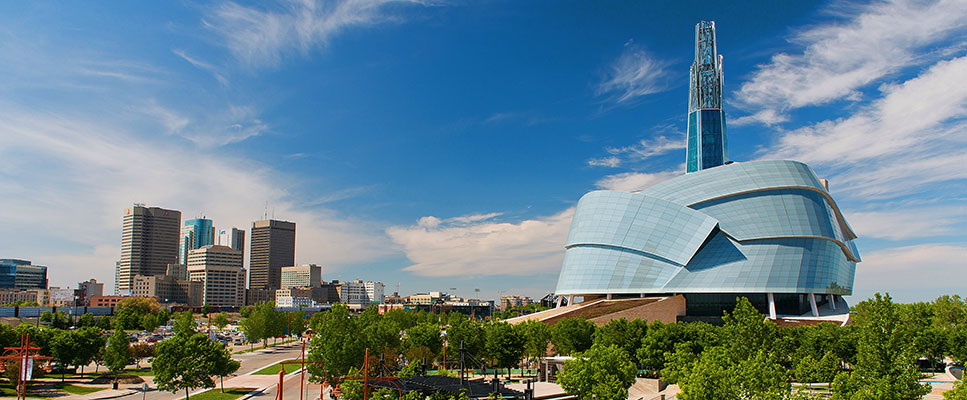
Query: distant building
point(9, 296)
point(169, 290)
point(272, 247)
point(309, 275)
point(31, 277)
point(428, 298)
point(106, 301)
point(507, 302)
point(259, 296)
point(177, 271)
point(234, 238)
point(359, 292)
point(61, 296)
point(219, 268)
point(294, 297)
point(195, 233)
point(393, 299)
point(91, 288)
point(149, 242)
point(8, 272)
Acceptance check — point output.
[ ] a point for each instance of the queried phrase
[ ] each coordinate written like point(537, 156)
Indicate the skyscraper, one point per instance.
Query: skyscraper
point(149, 242)
point(196, 233)
point(219, 268)
point(272, 247)
point(234, 238)
point(706, 141)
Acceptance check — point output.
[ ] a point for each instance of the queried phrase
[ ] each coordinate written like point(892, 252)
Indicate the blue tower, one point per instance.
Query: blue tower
point(706, 143)
point(195, 234)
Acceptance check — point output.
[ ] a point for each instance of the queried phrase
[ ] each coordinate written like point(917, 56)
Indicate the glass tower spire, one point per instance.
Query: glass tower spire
point(706, 143)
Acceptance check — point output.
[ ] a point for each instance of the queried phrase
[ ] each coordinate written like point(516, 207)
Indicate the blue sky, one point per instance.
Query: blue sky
point(444, 144)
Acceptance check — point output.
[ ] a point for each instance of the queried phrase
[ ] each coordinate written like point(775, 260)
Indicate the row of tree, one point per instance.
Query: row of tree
point(749, 356)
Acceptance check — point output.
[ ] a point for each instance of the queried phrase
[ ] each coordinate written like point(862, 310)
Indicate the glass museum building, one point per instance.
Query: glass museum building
point(765, 230)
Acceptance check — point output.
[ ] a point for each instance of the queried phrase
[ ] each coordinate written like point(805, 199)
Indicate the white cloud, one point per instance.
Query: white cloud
point(639, 152)
point(634, 74)
point(872, 42)
point(262, 37)
point(611, 161)
point(476, 246)
point(909, 138)
point(908, 222)
point(913, 267)
point(69, 178)
point(232, 124)
point(635, 181)
point(768, 116)
point(202, 65)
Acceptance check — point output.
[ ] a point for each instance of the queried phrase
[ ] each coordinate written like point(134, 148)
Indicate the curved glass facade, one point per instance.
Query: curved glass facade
point(755, 227)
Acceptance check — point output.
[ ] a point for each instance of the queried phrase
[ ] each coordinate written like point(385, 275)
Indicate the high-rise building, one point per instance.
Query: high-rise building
point(272, 247)
point(706, 145)
point(301, 276)
point(8, 272)
point(195, 233)
point(219, 268)
point(234, 238)
point(31, 277)
point(149, 242)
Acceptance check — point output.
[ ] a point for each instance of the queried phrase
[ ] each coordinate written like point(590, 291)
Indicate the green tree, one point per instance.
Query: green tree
point(117, 355)
point(470, 333)
point(185, 361)
point(222, 361)
point(957, 342)
point(572, 335)
point(624, 334)
point(885, 367)
point(336, 343)
point(959, 392)
point(254, 326)
point(297, 322)
point(601, 373)
point(86, 320)
point(140, 351)
point(537, 336)
point(149, 322)
point(811, 370)
point(185, 323)
point(744, 364)
point(422, 336)
point(104, 322)
point(504, 344)
point(221, 321)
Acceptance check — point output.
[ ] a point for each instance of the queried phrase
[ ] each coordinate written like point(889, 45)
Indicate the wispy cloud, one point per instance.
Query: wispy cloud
point(231, 125)
point(62, 166)
point(474, 245)
point(909, 138)
point(909, 222)
point(638, 152)
point(931, 268)
point(261, 37)
point(202, 65)
point(872, 41)
point(634, 74)
point(635, 181)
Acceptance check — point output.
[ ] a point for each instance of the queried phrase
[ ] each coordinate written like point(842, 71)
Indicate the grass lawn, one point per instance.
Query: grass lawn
point(138, 372)
point(216, 394)
point(75, 389)
point(274, 369)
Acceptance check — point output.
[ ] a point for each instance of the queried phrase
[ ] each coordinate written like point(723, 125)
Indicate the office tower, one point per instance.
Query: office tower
point(31, 277)
point(301, 276)
point(234, 238)
point(90, 289)
point(219, 268)
point(149, 242)
point(272, 247)
point(359, 292)
point(8, 272)
point(196, 233)
point(706, 141)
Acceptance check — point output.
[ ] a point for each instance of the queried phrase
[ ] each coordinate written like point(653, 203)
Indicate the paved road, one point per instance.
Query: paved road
point(251, 362)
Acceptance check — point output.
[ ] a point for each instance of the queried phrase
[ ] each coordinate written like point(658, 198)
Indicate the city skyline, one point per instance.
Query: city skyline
point(445, 145)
